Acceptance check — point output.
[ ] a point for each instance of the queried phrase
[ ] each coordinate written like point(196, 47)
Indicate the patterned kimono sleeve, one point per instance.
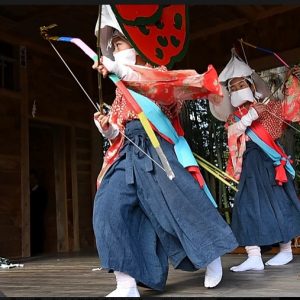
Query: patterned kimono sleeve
point(169, 87)
point(291, 102)
point(236, 146)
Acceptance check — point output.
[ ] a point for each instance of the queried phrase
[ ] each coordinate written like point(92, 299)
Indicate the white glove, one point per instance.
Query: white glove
point(247, 119)
point(112, 131)
point(122, 71)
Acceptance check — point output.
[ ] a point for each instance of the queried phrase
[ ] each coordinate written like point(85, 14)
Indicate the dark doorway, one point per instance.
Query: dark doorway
point(42, 189)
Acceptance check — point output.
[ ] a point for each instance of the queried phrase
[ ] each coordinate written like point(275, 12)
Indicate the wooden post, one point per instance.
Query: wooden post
point(97, 141)
point(25, 192)
point(73, 152)
point(60, 189)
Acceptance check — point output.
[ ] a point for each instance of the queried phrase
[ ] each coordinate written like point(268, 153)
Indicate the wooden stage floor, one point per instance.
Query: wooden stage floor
point(72, 276)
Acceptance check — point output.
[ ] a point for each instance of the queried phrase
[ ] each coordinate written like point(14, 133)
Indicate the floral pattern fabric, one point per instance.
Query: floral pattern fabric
point(272, 120)
point(169, 90)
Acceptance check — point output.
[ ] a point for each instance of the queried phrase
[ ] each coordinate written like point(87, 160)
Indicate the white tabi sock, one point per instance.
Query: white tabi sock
point(213, 274)
point(126, 286)
point(253, 262)
point(284, 256)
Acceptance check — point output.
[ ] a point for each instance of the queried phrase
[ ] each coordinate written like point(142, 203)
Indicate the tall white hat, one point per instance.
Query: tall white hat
point(109, 24)
point(236, 67)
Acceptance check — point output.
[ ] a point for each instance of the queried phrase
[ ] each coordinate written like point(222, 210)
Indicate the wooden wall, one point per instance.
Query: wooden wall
point(60, 142)
point(10, 174)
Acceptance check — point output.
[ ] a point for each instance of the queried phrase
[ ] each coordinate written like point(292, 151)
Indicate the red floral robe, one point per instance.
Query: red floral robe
point(287, 110)
point(168, 89)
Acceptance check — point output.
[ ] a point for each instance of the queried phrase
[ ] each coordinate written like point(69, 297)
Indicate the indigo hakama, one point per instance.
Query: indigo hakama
point(142, 219)
point(264, 212)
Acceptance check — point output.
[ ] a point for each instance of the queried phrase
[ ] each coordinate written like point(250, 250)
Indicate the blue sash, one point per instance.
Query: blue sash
point(164, 126)
point(272, 153)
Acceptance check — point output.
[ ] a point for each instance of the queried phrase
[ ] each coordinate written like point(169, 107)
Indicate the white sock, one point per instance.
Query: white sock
point(253, 262)
point(126, 286)
point(284, 256)
point(213, 274)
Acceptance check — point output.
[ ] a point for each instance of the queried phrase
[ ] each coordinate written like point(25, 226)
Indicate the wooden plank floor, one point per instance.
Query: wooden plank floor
point(67, 276)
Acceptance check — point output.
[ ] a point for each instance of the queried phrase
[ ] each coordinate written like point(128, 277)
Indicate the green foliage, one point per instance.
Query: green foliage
point(208, 138)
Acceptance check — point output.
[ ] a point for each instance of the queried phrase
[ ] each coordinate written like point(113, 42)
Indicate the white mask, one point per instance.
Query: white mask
point(126, 57)
point(241, 96)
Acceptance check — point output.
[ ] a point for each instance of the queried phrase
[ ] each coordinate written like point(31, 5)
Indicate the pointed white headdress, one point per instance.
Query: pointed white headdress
point(109, 24)
point(236, 67)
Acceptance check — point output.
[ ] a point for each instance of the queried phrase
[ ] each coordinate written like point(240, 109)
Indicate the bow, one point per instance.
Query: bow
point(99, 55)
point(279, 86)
point(127, 94)
point(266, 51)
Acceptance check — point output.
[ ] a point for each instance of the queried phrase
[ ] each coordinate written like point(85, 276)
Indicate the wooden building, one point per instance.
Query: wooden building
point(46, 122)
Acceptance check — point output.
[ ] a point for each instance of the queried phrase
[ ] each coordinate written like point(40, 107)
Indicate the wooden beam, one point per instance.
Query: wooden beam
point(59, 121)
point(96, 144)
point(60, 189)
point(259, 8)
point(15, 37)
point(25, 191)
point(4, 93)
point(247, 11)
point(7, 22)
point(277, 10)
point(75, 208)
point(241, 21)
point(218, 28)
point(43, 11)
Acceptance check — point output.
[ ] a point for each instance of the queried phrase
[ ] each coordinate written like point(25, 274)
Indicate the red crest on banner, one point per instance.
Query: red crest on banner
point(159, 33)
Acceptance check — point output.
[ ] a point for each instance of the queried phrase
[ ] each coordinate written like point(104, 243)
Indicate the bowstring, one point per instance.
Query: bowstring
point(266, 99)
point(97, 109)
